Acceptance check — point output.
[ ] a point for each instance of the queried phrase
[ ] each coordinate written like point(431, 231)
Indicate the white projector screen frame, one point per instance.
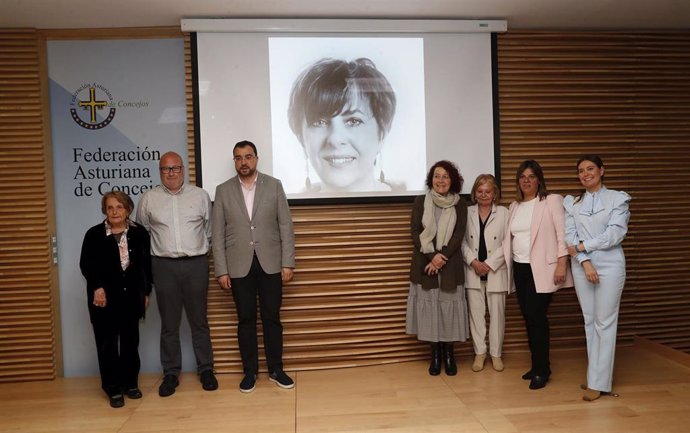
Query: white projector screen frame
point(240, 95)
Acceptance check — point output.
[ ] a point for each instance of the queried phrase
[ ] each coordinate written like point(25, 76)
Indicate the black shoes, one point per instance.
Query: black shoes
point(449, 359)
point(530, 374)
point(168, 386)
point(435, 366)
point(281, 379)
point(133, 393)
point(277, 376)
point(208, 380)
point(538, 382)
point(117, 400)
point(248, 383)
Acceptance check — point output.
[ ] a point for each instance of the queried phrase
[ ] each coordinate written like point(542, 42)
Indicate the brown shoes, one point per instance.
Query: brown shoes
point(591, 394)
point(497, 363)
point(478, 364)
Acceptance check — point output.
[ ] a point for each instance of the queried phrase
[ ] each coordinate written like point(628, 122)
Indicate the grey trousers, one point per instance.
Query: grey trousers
point(182, 283)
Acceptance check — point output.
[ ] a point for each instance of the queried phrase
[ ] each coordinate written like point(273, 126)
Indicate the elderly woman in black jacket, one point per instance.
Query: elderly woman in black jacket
point(116, 262)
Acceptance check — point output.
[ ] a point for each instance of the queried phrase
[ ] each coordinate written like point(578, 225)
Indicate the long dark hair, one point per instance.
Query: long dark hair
point(533, 165)
point(592, 158)
point(456, 179)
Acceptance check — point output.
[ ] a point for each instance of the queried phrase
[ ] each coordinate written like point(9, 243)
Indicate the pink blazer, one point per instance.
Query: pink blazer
point(547, 243)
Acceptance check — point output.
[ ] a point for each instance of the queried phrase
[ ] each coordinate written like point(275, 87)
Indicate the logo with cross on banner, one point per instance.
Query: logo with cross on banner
point(92, 106)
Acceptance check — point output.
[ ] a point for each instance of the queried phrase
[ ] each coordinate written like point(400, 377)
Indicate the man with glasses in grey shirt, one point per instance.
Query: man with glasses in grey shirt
point(178, 217)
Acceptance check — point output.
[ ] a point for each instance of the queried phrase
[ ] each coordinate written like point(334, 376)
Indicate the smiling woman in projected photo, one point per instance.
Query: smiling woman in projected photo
point(341, 113)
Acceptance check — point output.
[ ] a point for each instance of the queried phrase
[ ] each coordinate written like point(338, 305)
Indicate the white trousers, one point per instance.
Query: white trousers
point(600, 304)
point(477, 300)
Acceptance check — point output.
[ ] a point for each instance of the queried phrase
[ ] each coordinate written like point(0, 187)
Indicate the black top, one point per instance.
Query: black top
point(481, 255)
point(100, 264)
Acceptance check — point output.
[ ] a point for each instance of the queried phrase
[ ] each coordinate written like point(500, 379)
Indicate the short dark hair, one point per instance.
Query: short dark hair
point(326, 87)
point(121, 197)
point(456, 179)
point(245, 143)
point(533, 165)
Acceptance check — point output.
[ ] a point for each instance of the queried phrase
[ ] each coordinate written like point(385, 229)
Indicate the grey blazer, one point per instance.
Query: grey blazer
point(236, 236)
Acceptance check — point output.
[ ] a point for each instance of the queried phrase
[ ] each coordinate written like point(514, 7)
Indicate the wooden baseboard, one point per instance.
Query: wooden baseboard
point(681, 358)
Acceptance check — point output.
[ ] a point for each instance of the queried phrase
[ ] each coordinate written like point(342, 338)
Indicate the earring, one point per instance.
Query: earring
point(377, 166)
point(307, 181)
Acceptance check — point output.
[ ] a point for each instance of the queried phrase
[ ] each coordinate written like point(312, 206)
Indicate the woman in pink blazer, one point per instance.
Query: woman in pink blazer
point(536, 256)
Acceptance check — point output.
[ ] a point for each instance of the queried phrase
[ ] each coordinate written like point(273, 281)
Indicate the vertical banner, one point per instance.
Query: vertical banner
point(116, 106)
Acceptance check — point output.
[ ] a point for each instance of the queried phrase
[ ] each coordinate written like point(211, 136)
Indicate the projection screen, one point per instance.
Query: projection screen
point(352, 110)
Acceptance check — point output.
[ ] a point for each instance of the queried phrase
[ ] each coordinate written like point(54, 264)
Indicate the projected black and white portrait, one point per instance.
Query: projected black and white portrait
point(346, 115)
point(341, 112)
point(354, 128)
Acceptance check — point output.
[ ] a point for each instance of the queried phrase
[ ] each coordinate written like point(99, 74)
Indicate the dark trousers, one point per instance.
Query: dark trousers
point(183, 283)
point(269, 288)
point(117, 343)
point(534, 308)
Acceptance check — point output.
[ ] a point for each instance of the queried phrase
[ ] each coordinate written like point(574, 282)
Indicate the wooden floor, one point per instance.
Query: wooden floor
point(653, 383)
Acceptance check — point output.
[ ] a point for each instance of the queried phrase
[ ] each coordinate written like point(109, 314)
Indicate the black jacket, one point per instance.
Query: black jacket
point(100, 265)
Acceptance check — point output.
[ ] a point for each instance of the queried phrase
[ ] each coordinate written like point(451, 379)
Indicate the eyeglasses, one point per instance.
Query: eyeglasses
point(248, 158)
point(528, 177)
point(173, 168)
point(441, 177)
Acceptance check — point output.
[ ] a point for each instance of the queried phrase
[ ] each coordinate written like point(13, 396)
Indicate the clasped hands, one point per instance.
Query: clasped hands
point(480, 268)
point(435, 265)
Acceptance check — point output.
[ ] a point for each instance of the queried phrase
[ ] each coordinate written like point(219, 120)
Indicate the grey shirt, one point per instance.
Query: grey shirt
point(179, 223)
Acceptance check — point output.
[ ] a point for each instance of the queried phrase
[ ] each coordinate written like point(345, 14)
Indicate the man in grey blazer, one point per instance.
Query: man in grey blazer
point(254, 254)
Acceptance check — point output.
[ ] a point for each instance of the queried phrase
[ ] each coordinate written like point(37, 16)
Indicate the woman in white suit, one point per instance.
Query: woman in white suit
point(486, 275)
point(596, 223)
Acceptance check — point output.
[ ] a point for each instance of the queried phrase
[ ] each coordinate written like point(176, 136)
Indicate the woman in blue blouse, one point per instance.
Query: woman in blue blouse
point(596, 223)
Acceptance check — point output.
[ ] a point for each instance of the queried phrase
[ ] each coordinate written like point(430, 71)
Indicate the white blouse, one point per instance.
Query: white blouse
point(520, 229)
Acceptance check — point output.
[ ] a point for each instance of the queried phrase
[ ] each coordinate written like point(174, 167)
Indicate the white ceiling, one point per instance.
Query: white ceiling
point(520, 14)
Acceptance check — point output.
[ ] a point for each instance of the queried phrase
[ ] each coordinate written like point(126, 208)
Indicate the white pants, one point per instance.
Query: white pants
point(600, 303)
point(477, 300)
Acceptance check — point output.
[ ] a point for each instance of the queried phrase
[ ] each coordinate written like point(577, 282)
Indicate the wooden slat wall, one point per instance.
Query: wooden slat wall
point(625, 96)
point(27, 339)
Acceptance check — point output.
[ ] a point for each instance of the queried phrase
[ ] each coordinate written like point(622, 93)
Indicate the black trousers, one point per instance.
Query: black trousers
point(533, 307)
point(269, 289)
point(117, 343)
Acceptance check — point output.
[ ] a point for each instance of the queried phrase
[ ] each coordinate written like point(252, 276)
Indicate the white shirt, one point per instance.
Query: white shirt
point(520, 228)
point(249, 191)
point(179, 223)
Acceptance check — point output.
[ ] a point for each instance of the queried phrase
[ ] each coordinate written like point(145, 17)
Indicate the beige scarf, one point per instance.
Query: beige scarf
point(443, 230)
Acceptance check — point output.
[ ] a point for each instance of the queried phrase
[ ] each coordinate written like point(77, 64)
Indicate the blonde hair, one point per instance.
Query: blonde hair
point(481, 180)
